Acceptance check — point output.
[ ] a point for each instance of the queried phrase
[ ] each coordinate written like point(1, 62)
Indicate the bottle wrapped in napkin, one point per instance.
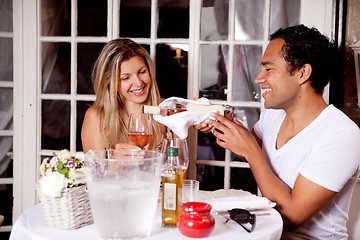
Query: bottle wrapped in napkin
point(193, 112)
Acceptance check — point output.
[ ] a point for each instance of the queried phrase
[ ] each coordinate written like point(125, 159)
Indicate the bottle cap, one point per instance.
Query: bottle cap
point(173, 151)
point(151, 109)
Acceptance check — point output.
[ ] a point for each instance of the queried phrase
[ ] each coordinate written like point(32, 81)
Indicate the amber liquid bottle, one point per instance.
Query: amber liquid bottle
point(172, 177)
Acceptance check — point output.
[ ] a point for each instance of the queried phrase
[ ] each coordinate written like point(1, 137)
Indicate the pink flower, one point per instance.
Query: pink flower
point(48, 171)
point(54, 162)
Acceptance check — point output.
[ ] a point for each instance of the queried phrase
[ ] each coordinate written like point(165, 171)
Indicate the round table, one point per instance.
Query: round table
point(31, 225)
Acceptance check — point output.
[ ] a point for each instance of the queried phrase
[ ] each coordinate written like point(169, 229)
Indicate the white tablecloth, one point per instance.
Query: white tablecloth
point(31, 225)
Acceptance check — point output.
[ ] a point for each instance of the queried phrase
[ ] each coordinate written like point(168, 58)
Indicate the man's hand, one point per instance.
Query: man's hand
point(233, 136)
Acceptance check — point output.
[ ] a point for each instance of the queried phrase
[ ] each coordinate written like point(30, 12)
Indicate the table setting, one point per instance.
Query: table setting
point(139, 193)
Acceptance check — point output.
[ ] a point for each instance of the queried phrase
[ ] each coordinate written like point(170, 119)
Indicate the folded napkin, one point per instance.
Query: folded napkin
point(223, 200)
point(179, 123)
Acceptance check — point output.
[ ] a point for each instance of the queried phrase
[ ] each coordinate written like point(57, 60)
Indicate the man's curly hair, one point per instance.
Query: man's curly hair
point(305, 45)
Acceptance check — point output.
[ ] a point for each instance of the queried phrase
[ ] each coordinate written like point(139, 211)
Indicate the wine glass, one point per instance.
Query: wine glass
point(183, 151)
point(139, 129)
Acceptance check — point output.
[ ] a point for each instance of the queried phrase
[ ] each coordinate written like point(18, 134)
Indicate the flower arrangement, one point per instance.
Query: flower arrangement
point(60, 172)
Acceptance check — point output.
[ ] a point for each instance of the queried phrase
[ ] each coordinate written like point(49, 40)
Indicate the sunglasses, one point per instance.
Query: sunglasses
point(243, 217)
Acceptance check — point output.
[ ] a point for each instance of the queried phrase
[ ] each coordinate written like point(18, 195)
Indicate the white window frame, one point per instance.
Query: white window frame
point(27, 132)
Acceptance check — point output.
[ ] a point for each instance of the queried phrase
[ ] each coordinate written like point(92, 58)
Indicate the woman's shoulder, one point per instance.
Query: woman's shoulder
point(92, 112)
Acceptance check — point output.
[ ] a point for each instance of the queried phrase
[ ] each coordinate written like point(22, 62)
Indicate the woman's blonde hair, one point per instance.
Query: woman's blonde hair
point(105, 75)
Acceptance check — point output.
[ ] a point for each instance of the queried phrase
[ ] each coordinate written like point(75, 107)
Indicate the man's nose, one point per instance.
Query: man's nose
point(260, 78)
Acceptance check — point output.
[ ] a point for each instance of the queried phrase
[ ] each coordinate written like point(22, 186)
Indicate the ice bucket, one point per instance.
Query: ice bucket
point(123, 187)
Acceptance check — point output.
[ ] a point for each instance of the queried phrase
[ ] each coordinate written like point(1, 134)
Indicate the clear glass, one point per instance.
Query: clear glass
point(284, 13)
point(190, 190)
point(81, 108)
point(135, 18)
point(55, 67)
point(92, 18)
point(249, 20)
point(214, 23)
point(173, 19)
point(6, 59)
point(123, 187)
point(55, 17)
point(246, 68)
point(213, 74)
point(87, 53)
point(183, 150)
point(55, 124)
point(172, 69)
point(139, 129)
point(6, 109)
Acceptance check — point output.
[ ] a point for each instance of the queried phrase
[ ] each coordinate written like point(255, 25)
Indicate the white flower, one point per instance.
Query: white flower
point(64, 154)
point(80, 156)
point(53, 184)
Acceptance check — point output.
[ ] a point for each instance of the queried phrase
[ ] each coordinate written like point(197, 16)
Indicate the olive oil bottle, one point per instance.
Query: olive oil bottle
point(172, 177)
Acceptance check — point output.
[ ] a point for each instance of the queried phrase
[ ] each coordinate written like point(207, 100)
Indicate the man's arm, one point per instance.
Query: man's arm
point(296, 205)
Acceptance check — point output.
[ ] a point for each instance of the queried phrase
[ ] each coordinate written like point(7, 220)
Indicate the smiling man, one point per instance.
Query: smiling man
point(303, 153)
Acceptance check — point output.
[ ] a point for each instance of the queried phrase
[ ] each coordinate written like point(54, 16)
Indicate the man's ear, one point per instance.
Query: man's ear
point(304, 73)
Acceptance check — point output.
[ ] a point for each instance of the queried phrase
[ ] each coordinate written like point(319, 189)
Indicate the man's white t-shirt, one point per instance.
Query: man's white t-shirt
point(326, 152)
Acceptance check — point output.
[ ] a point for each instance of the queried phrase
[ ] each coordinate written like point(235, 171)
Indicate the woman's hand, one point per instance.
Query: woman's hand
point(126, 146)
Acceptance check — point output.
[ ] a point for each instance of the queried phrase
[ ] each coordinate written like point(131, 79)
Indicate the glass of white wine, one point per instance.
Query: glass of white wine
point(139, 129)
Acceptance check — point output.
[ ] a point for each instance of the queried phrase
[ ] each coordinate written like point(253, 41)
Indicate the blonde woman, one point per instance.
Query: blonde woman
point(123, 78)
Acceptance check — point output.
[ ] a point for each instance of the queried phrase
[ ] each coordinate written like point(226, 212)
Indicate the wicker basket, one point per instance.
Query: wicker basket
point(70, 210)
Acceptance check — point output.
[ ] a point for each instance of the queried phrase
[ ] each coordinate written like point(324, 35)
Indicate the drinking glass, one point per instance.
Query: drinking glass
point(139, 129)
point(183, 151)
point(123, 187)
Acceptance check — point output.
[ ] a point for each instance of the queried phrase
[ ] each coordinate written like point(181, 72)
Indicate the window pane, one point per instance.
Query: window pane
point(171, 69)
point(135, 18)
point(210, 177)
point(249, 20)
point(6, 109)
point(55, 129)
point(87, 55)
point(173, 19)
point(284, 14)
point(247, 116)
point(6, 206)
point(6, 16)
point(55, 67)
point(6, 163)
point(92, 18)
point(81, 108)
point(242, 178)
point(6, 59)
point(55, 17)
point(214, 20)
point(246, 68)
point(208, 149)
point(213, 78)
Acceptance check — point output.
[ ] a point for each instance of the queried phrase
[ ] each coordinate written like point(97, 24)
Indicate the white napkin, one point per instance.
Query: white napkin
point(179, 123)
point(222, 200)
